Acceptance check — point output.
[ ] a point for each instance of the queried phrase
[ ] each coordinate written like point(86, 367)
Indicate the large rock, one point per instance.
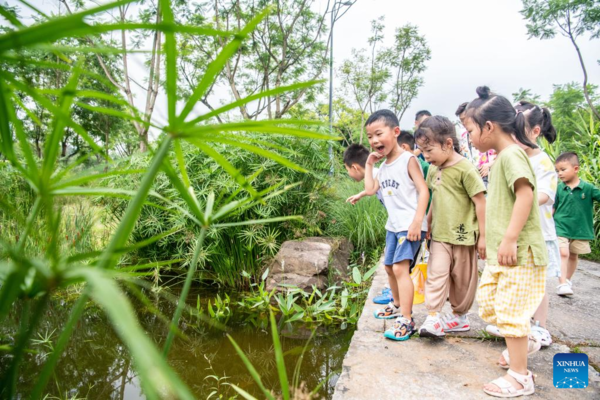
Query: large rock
point(314, 261)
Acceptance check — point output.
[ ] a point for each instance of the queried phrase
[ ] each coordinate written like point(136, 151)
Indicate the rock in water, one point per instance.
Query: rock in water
point(317, 261)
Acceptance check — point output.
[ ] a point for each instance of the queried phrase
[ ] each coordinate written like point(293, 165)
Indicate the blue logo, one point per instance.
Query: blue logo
point(570, 370)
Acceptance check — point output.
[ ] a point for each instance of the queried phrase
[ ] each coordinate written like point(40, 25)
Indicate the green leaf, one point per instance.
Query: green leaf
point(253, 373)
point(283, 379)
point(370, 272)
point(356, 275)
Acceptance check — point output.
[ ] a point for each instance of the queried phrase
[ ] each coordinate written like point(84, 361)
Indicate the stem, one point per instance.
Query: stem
point(25, 332)
point(59, 347)
point(184, 292)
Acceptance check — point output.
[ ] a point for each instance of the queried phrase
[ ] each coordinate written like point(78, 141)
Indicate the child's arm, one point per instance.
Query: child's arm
point(596, 194)
point(371, 184)
point(479, 201)
point(414, 172)
point(429, 221)
point(354, 199)
point(542, 199)
point(507, 252)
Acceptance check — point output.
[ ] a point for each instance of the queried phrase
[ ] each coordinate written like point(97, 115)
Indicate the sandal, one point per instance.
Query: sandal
point(508, 390)
point(390, 312)
point(533, 345)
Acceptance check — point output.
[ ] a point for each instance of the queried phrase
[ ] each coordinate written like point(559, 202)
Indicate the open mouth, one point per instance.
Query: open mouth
point(380, 149)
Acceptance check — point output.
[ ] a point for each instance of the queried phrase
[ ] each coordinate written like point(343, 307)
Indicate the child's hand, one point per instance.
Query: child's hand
point(481, 247)
point(374, 157)
point(428, 234)
point(414, 232)
point(507, 253)
point(354, 199)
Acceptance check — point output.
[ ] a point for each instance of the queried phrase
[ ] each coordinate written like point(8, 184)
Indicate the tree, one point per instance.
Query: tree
point(288, 46)
point(407, 58)
point(565, 102)
point(527, 95)
point(390, 76)
point(572, 19)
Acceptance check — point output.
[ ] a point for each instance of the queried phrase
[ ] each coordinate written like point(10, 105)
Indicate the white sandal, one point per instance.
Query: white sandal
point(507, 388)
point(533, 345)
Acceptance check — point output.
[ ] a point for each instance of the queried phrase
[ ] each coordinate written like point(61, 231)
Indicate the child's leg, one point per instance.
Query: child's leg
point(389, 269)
point(517, 348)
point(564, 259)
point(572, 265)
point(463, 278)
point(405, 286)
point(541, 314)
point(438, 270)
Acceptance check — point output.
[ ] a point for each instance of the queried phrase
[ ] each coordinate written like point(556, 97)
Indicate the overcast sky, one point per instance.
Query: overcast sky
point(473, 42)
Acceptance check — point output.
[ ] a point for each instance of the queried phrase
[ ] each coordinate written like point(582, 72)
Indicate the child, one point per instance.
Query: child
point(538, 122)
point(457, 227)
point(405, 197)
point(406, 140)
point(573, 214)
point(355, 158)
point(483, 161)
point(513, 282)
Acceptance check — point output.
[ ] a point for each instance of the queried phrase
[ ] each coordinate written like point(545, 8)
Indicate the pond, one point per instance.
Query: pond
point(96, 365)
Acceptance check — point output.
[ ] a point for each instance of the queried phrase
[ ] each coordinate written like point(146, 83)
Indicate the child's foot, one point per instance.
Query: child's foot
point(511, 385)
point(385, 297)
point(564, 289)
point(403, 328)
point(456, 323)
point(389, 312)
point(533, 345)
point(542, 335)
point(432, 327)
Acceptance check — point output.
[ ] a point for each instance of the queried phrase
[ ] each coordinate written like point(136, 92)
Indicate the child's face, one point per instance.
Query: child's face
point(382, 138)
point(480, 138)
point(434, 152)
point(356, 172)
point(566, 171)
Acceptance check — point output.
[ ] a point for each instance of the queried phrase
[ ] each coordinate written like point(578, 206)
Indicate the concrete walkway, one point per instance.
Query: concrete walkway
point(458, 366)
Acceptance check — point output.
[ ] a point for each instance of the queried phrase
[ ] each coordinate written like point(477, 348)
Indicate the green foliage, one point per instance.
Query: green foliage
point(29, 277)
point(363, 223)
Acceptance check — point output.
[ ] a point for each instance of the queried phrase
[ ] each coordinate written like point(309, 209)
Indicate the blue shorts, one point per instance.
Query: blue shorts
point(398, 248)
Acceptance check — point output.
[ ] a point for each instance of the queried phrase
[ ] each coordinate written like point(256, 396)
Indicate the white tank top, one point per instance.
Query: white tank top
point(399, 193)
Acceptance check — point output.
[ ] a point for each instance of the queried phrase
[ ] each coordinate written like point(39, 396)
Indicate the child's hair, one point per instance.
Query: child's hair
point(406, 138)
point(388, 117)
point(461, 109)
point(437, 129)
point(537, 116)
point(421, 114)
point(497, 109)
point(569, 157)
point(356, 154)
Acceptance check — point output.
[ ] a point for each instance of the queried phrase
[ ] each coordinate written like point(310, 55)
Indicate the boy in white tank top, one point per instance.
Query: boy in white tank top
point(405, 196)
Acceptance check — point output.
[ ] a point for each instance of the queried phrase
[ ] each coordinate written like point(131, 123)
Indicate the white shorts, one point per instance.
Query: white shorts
point(553, 267)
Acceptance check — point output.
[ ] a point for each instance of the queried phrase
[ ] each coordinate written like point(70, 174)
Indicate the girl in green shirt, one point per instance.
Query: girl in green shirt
point(513, 283)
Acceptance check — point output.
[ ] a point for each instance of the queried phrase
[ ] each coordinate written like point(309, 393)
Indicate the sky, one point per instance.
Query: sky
point(472, 42)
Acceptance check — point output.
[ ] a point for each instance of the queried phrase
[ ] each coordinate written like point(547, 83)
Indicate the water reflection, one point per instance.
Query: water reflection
point(97, 366)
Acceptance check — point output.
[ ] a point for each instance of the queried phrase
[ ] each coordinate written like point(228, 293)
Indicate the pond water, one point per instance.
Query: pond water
point(97, 366)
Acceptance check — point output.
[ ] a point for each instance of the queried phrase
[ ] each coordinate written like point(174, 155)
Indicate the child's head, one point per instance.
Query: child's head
point(421, 116)
point(382, 131)
point(406, 141)
point(461, 112)
point(491, 115)
point(355, 158)
point(436, 137)
point(538, 121)
point(567, 166)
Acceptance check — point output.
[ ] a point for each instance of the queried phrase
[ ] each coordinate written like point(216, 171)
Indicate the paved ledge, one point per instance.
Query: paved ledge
point(458, 366)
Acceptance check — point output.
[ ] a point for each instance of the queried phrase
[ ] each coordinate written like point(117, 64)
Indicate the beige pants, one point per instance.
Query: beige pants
point(451, 268)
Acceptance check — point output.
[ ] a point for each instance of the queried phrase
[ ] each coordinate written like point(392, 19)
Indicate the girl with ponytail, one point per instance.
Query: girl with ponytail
point(513, 283)
point(538, 123)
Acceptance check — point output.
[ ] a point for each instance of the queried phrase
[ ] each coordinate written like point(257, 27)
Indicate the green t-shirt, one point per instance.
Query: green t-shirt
point(574, 210)
point(454, 216)
point(424, 166)
point(512, 164)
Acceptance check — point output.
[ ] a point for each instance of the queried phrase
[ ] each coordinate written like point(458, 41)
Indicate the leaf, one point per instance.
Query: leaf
point(356, 275)
point(283, 379)
point(370, 272)
point(253, 373)
point(265, 275)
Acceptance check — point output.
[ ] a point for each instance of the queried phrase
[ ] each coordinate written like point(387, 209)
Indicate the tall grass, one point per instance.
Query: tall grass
point(53, 269)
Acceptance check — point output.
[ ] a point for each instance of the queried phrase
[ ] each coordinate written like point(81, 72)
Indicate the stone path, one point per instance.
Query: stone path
point(458, 366)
